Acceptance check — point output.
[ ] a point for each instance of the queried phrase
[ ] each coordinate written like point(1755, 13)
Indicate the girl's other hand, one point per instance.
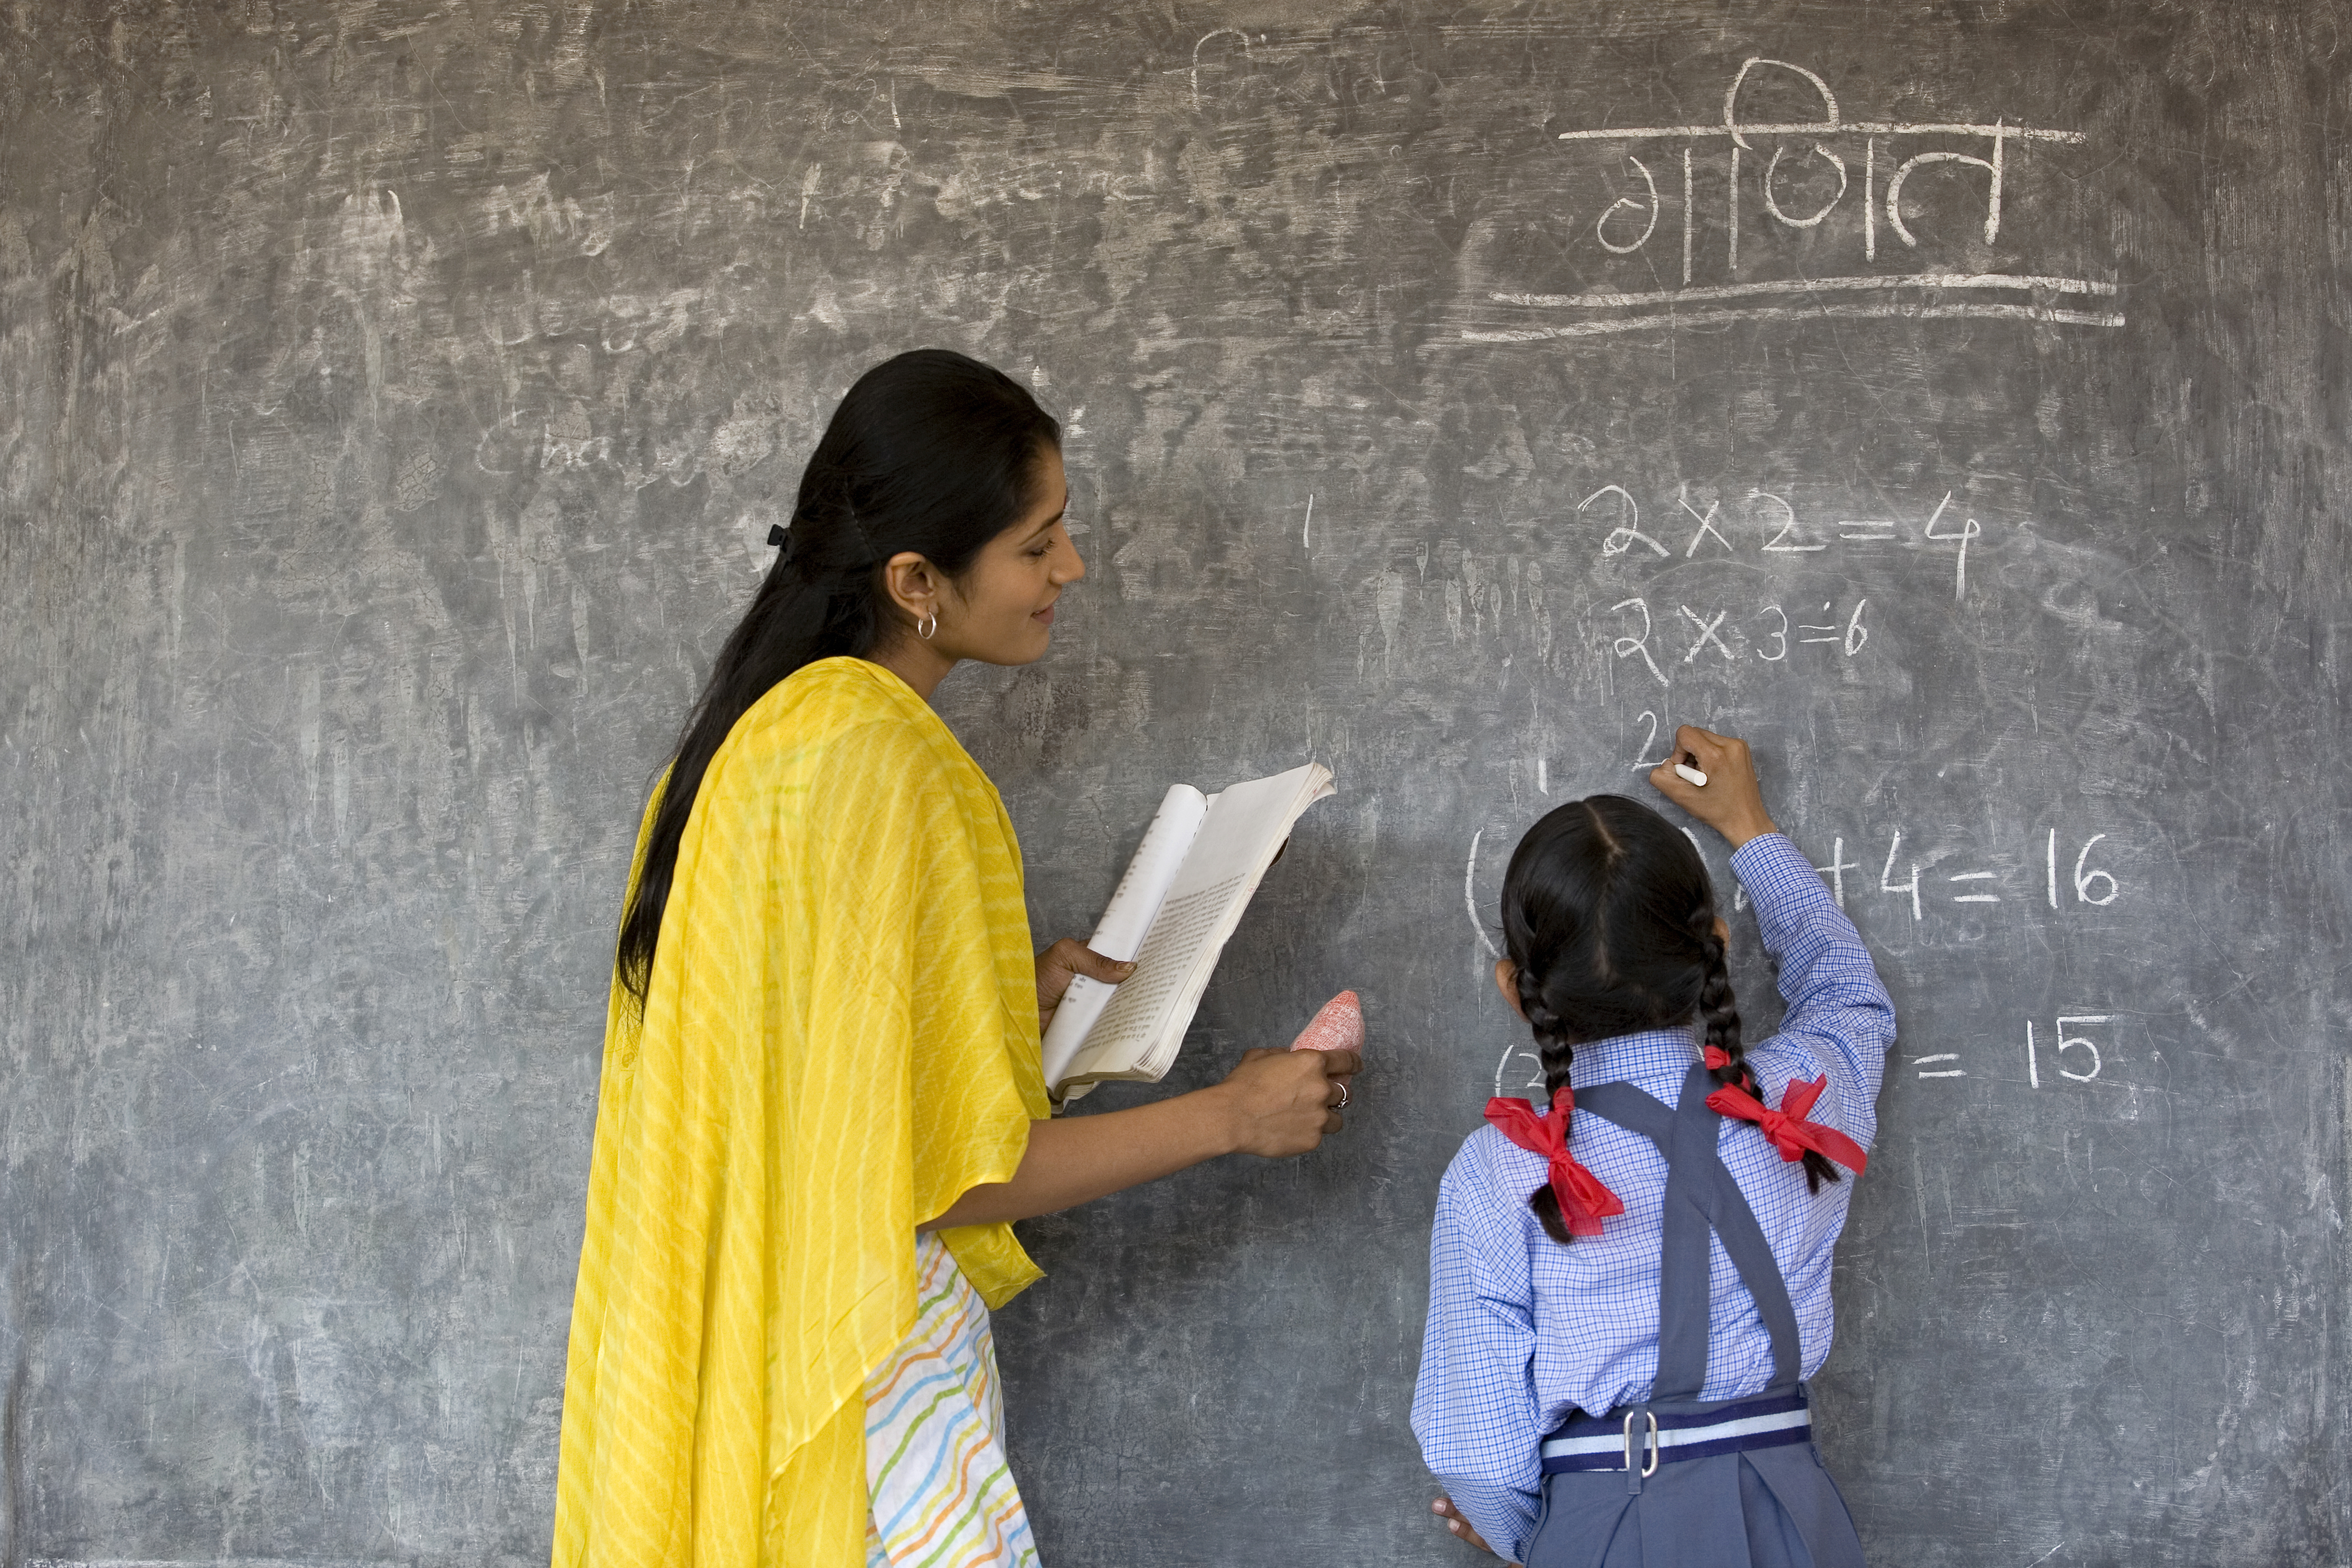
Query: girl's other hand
point(1731, 802)
point(1285, 1102)
point(1065, 962)
point(1443, 1507)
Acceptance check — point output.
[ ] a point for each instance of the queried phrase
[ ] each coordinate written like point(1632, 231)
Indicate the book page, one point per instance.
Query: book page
point(1134, 904)
point(1139, 1033)
point(1123, 1041)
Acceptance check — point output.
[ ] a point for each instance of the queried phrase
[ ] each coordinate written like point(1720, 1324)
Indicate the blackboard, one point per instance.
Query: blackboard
point(399, 394)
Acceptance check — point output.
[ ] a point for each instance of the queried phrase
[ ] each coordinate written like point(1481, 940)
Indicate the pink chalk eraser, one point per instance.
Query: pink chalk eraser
point(1340, 1027)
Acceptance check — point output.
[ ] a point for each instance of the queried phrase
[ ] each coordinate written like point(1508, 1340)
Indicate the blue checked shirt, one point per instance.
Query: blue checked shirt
point(1523, 1331)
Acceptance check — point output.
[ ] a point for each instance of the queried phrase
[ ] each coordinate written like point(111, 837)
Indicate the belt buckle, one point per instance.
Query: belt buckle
point(1649, 1438)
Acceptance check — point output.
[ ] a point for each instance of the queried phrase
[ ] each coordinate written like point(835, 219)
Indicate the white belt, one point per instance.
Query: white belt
point(1610, 1442)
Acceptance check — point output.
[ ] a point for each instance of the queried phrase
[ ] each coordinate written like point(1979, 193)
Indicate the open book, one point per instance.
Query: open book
point(1180, 898)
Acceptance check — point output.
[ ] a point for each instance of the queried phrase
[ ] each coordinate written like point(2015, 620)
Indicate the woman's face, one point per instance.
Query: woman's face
point(1002, 611)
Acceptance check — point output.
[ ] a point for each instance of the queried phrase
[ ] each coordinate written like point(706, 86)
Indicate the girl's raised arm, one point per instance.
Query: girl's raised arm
point(1840, 1019)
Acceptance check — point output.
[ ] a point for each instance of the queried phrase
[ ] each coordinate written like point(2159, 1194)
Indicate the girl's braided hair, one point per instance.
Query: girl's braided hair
point(1609, 919)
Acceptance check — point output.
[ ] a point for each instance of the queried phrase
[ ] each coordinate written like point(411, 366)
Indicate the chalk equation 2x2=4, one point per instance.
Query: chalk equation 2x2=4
point(1768, 524)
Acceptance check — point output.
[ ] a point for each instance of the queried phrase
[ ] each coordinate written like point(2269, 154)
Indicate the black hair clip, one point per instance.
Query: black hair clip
point(777, 537)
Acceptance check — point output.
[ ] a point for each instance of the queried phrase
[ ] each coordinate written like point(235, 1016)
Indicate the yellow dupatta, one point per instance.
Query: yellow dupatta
point(839, 1039)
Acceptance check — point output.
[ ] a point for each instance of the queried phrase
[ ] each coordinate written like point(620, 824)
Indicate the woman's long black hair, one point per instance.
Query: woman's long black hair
point(1609, 916)
point(931, 451)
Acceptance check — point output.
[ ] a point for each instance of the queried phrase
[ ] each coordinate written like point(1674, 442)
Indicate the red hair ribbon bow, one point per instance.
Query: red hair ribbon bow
point(1787, 1127)
point(1584, 1199)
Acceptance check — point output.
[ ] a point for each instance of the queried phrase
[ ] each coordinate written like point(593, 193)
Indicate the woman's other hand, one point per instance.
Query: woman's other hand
point(1065, 962)
point(1731, 802)
point(1286, 1102)
point(1273, 1103)
point(1443, 1507)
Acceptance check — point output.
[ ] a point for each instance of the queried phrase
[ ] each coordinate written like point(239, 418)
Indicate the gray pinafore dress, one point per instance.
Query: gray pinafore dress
point(1676, 1481)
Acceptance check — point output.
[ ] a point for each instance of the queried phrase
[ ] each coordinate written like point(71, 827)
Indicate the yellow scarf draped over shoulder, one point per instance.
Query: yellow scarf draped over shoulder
point(839, 1039)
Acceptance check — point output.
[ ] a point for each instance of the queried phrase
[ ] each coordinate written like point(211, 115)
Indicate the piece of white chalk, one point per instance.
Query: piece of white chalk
point(1692, 773)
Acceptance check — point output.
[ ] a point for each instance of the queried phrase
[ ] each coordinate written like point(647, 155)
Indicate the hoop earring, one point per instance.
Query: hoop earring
point(928, 625)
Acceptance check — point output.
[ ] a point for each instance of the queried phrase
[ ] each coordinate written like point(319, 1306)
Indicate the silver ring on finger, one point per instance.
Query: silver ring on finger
point(1341, 1104)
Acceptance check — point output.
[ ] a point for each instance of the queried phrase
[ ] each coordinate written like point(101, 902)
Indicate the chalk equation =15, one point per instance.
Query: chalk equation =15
point(2066, 1051)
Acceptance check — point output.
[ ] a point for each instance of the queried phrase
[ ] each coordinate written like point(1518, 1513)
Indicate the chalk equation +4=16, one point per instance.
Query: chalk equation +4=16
point(2061, 871)
point(2066, 874)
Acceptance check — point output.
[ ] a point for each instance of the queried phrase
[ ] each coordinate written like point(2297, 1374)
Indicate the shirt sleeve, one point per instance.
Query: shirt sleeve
point(1474, 1403)
point(1840, 1019)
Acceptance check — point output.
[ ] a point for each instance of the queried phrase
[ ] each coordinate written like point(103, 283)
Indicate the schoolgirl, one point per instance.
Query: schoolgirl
point(1628, 1291)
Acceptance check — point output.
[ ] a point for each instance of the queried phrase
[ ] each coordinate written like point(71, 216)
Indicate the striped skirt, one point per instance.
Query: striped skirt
point(942, 1496)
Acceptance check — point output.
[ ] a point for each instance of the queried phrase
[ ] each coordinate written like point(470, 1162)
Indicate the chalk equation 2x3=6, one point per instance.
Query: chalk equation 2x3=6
point(1767, 634)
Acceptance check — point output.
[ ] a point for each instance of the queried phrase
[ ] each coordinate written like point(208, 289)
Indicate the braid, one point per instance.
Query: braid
point(1719, 1011)
point(1557, 1052)
point(1609, 922)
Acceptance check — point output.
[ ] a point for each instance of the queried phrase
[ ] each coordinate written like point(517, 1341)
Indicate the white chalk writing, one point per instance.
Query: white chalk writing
point(1835, 183)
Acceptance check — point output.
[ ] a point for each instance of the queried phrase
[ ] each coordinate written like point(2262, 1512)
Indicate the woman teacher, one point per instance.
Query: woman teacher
point(822, 1103)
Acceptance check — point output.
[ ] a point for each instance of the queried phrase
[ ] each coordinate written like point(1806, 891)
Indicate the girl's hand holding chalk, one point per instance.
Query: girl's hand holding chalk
point(1713, 777)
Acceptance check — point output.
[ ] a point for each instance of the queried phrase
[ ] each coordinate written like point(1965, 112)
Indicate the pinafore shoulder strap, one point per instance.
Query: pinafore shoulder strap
point(1701, 1199)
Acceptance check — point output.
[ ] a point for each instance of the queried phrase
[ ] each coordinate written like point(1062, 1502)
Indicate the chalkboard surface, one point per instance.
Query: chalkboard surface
point(1950, 396)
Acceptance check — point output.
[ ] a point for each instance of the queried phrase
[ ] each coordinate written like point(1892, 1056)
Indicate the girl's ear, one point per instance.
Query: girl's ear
point(1722, 931)
point(1506, 981)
